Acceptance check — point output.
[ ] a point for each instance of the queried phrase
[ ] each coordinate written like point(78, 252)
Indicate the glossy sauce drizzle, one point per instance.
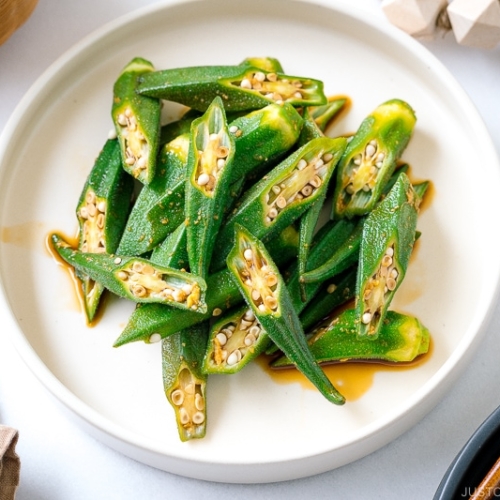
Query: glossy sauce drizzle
point(352, 379)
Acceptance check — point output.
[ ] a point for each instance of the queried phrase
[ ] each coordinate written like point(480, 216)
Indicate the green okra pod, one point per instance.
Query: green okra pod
point(283, 195)
point(263, 136)
point(160, 206)
point(402, 338)
point(208, 184)
point(241, 87)
point(184, 382)
point(265, 292)
point(386, 246)
point(370, 158)
point(137, 121)
point(137, 279)
point(102, 212)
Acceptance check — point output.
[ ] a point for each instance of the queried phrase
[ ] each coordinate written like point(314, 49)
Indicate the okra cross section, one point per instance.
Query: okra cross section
point(207, 187)
point(242, 87)
point(265, 292)
point(234, 340)
point(183, 380)
point(386, 246)
point(370, 158)
point(137, 122)
point(102, 212)
point(137, 279)
point(283, 195)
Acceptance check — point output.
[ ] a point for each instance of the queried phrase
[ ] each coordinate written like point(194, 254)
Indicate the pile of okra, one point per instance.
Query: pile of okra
point(225, 246)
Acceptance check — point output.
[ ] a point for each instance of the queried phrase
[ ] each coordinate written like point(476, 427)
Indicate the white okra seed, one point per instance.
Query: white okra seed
point(184, 416)
point(232, 359)
point(198, 418)
point(221, 338)
point(203, 179)
point(249, 340)
point(177, 397)
point(370, 150)
point(246, 83)
point(302, 164)
point(254, 330)
point(199, 402)
point(154, 337)
point(366, 318)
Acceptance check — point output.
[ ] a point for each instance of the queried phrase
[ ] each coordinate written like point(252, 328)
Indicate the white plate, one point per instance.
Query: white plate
point(258, 430)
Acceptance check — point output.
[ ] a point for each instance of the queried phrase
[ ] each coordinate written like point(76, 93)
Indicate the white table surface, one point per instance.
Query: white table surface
point(61, 462)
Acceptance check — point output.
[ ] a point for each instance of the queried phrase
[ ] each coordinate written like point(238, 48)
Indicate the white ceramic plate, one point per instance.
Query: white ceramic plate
point(258, 430)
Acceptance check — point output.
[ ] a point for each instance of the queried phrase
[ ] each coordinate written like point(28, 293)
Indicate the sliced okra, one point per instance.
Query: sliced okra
point(241, 87)
point(102, 212)
point(234, 340)
point(152, 322)
point(208, 184)
point(283, 195)
point(184, 382)
point(263, 136)
point(137, 279)
point(370, 158)
point(265, 292)
point(386, 246)
point(159, 208)
point(402, 338)
point(137, 121)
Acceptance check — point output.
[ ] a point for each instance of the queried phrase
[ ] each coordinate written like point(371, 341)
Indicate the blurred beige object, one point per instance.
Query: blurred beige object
point(13, 13)
point(10, 464)
point(418, 18)
point(476, 22)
